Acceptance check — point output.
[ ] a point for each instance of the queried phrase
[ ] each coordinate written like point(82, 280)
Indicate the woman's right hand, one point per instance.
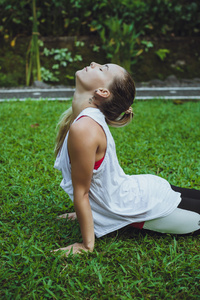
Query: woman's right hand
point(69, 216)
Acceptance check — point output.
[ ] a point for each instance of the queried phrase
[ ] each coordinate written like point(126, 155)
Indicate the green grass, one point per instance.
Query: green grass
point(163, 139)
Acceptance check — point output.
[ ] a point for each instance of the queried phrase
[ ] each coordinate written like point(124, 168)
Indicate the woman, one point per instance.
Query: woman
point(105, 198)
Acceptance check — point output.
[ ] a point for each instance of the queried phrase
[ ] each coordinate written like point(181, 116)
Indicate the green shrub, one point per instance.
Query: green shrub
point(62, 57)
point(75, 17)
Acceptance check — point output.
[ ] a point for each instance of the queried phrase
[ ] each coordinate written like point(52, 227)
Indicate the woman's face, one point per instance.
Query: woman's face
point(97, 76)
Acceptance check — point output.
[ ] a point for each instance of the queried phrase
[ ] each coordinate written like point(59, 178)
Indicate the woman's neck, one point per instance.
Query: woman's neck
point(81, 101)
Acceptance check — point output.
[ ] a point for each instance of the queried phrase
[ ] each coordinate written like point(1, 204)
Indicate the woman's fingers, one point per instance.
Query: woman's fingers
point(70, 216)
point(72, 249)
point(66, 250)
point(64, 216)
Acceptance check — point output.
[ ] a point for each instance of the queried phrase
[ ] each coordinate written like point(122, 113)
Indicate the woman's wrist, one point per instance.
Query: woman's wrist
point(89, 242)
point(89, 246)
point(77, 247)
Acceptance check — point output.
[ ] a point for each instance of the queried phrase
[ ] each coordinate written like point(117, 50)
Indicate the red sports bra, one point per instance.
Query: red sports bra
point(98, 163)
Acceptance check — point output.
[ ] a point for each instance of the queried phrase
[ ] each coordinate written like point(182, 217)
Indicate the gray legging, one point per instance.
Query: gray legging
point(184, 219)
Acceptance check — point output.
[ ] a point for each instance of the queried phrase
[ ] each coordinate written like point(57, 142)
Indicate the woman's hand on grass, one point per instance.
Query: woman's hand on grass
point(70, 216)
point(74, 249)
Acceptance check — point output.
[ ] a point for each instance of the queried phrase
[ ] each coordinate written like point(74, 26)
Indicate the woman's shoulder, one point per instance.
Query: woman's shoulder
point(84, 127)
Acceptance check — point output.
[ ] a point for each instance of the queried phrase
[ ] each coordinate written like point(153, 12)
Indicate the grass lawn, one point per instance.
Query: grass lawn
point(163, 139)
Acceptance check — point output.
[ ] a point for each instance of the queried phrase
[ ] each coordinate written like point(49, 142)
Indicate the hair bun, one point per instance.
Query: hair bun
point(129, 111)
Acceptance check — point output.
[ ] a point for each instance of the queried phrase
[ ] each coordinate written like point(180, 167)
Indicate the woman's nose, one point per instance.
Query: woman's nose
point(92, 64)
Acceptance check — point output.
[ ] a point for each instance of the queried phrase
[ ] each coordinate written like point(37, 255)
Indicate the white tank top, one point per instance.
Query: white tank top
point(118, 199)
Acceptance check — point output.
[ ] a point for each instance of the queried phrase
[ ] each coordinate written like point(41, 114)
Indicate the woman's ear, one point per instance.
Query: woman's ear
point(102, 93)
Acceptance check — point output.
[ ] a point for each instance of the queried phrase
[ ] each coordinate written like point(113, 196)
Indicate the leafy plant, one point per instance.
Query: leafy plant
point(96, 48)
point(33, 55)
point(162, 53)
point(120, 42)
point(147, 44)
point(48, 76)
point(62, 58)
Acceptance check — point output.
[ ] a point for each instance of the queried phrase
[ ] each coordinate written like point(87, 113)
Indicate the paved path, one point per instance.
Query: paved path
point(143, 93)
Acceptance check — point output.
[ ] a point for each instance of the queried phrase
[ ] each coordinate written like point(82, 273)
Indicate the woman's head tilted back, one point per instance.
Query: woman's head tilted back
point(122, 94)
point(113, 91)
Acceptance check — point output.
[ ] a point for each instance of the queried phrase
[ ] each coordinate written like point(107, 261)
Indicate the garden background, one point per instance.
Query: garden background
point(152, 39)
point(163, 139)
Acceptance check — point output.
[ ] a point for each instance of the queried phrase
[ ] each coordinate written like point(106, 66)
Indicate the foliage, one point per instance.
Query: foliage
point(6, 79)
point(62, 58)
point(120, 34)
point(33, 56)
point(121, 42)
point(162, 53)
point(120, 25)
point(60, 17)
point(129, 264)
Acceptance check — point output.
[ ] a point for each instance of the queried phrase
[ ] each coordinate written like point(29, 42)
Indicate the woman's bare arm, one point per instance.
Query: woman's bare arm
point(83, 141)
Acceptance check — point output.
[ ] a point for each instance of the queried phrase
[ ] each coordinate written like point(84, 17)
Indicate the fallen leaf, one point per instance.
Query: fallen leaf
point(35, 125)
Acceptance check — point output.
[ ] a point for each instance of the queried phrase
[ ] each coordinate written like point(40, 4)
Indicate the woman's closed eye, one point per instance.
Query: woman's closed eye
point(101, 69)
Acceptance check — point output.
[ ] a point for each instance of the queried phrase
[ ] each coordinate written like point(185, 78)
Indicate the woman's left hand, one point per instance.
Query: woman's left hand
point(76, 248)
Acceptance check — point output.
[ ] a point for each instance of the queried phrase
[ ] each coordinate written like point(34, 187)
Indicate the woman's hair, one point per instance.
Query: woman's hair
point(122, 95)
point(114, 109)
point(66, 120)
